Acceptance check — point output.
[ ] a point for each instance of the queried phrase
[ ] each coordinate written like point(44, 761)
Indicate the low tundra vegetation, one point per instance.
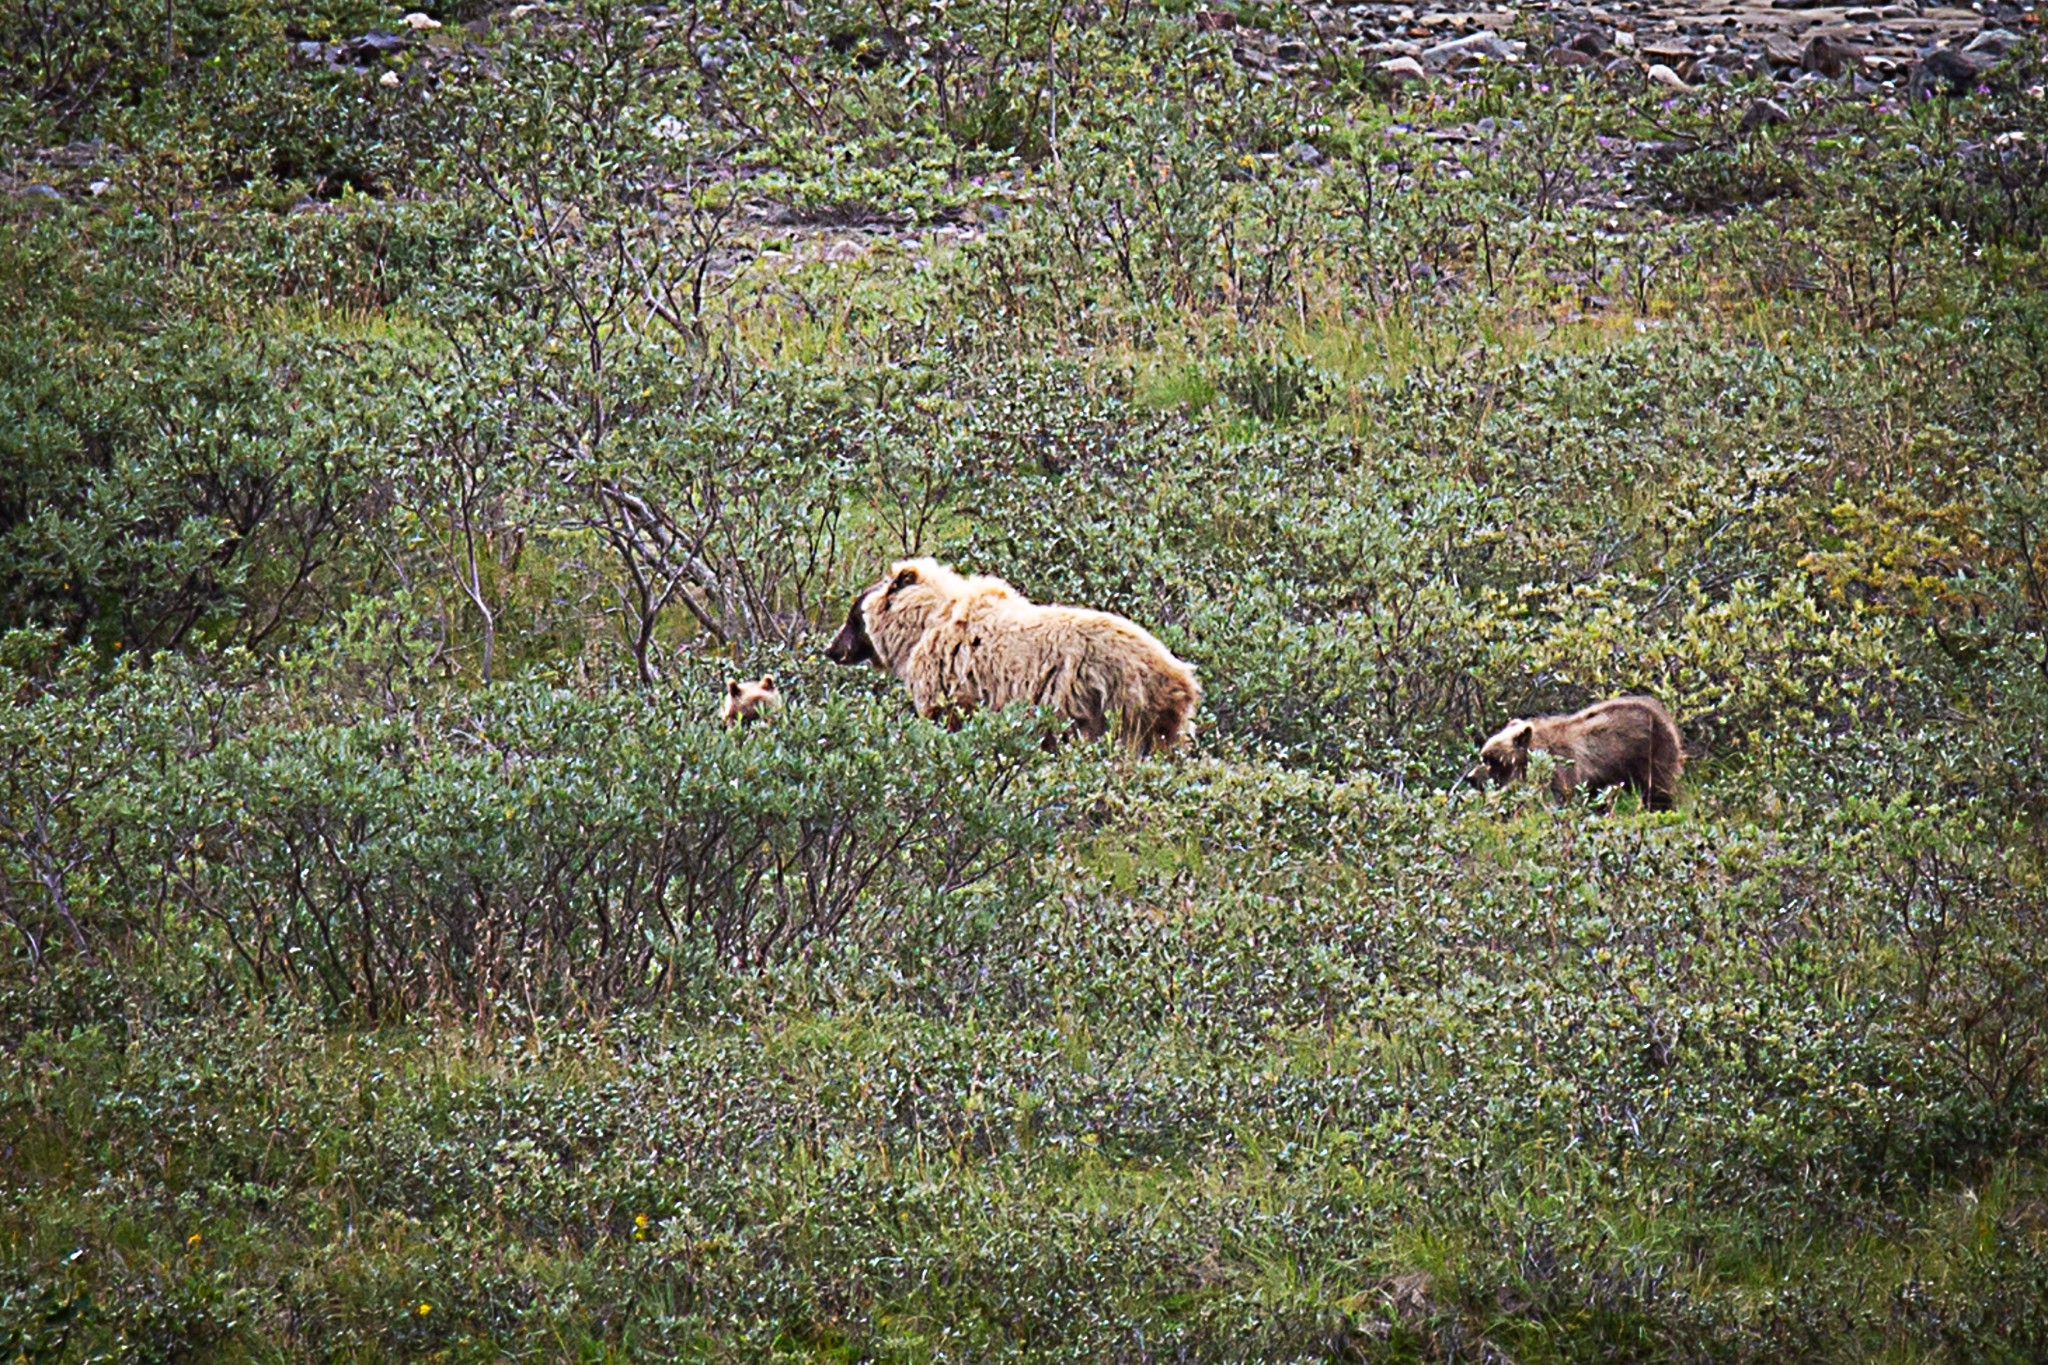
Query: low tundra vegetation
point(406, 431)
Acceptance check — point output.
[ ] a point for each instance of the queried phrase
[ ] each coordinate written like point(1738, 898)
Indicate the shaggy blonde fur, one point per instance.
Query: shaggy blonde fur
point(746, 701)
point(962, 643)
point(1628, 742)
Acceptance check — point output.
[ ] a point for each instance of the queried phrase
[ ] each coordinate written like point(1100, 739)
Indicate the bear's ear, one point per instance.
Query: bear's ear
point(904, 580)
point(767, 682)
point(1522, 734)
point(732, 689)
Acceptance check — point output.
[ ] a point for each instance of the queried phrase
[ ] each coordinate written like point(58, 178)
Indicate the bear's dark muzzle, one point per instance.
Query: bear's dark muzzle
point(845, 647)
point(852, 645)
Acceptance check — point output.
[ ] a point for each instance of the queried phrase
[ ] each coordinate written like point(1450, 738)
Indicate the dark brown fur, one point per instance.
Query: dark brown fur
point(852, 645)
point(1628, 742)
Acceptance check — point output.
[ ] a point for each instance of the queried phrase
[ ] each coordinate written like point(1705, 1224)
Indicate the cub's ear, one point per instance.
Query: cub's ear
point(1522, 735)
point(732, 689)
point(768, 682)
point(904, 579)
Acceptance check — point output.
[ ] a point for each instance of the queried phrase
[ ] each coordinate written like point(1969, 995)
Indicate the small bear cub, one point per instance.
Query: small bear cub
point(749, 701)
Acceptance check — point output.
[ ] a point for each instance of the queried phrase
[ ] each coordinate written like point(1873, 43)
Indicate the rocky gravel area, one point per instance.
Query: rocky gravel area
point(1927, 48)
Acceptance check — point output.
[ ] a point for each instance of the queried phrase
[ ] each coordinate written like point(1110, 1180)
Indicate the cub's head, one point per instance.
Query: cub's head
point(747, 701)
point(1505, 757)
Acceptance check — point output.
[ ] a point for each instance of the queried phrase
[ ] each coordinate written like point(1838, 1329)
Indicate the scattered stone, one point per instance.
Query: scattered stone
point(1859, 16)
point(1890, 12)
point(1395, 47)
point(1782, 51)
point(1764, 114)
point(1304, 154)
point(1829, 56)
point(1625, 39)
point(1472, 48)
point(1214, 20)
point(1948, 69)
point(99, 187)
point(389, 78)
point(1992, 42)
point(1663, 75)
point(366, 51)
point(1571, 57)
point(1591, 42)
point(1404, 69)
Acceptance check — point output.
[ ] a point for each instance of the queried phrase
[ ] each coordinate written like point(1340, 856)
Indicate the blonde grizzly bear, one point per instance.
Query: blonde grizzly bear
point(1627, 742)
point(962, 643)
point(749, 701)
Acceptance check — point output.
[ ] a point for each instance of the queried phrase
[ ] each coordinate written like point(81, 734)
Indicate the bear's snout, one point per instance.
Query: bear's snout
point(852, 645)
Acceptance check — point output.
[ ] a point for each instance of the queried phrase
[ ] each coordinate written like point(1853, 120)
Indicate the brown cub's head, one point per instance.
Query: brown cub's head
point(1505, 757)
point(852, 645)
point(746, 701)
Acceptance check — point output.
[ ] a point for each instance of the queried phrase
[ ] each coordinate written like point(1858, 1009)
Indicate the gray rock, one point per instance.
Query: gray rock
point(1404, 69)
point(1859, 16)
point(1571, 57)
point(1782, 51)
point(1764, 114)
point(1829, 56)
point(376, 40)
point(1471, 48)
point(1992, 42)
point(1944, 70)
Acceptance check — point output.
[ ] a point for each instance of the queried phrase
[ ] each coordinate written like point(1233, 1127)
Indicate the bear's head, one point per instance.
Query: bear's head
point(1505, 757)
point(746, 701)
point(895, 612)
point(852, 645)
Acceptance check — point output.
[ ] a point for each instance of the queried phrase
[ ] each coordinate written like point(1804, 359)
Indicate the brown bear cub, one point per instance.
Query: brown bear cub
point(1628, 742)
point(749, 701)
